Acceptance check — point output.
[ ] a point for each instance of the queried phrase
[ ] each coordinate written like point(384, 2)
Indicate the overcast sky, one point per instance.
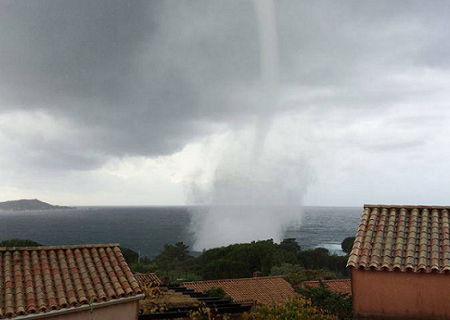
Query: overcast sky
point(129, 102)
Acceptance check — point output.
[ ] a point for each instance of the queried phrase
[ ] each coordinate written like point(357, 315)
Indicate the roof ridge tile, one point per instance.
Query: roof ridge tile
point(63, 247)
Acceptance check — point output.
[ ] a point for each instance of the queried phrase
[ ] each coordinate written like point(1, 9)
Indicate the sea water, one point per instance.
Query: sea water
point(147, 229)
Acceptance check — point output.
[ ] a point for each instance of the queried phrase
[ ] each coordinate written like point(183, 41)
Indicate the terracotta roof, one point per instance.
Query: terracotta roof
point(265, 290)
point(403, 238)
point(41, 279)
point(148, 279)
point(339, 285)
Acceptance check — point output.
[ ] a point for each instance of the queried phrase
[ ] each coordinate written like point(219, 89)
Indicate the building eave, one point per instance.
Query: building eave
point(86, 307)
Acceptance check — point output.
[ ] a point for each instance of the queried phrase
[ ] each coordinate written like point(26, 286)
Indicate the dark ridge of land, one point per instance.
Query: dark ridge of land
point(28, 204)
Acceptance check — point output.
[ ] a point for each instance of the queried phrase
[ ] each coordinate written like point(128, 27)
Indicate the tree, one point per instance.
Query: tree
point(320, 258)
point(143, 268)
point(347, 244)
point(298, 278)
point(130, 256)
point(243, 259)
point(173, 257)
point(296, 309)
point(333, 303)
point(19, 243)
point(291, 245)
point(286, 268)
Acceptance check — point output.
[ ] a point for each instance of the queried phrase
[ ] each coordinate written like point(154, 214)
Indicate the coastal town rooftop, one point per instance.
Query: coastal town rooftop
point(339, 285)
point(265, 290)
point(400, 263)
point(51, 281)
point(403, 238)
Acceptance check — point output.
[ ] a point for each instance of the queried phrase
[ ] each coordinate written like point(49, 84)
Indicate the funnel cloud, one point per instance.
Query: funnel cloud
point(254, 194)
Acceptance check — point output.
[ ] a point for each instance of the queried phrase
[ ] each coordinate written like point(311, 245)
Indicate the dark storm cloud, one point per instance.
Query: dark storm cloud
point(147, 77)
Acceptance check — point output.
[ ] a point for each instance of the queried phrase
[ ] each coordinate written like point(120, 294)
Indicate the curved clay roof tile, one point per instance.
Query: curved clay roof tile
point(37, 280)
point(404, 238)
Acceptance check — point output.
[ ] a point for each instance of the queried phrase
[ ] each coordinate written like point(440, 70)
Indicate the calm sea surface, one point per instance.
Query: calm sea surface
point(147, 229)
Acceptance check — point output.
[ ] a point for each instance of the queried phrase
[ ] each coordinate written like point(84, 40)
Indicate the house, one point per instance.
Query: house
point(67, 283)
point(264, 290)
point(400, 263)
point(339, 285)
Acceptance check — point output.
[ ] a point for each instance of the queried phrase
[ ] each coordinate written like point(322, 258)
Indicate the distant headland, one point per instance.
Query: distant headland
point(28, 204)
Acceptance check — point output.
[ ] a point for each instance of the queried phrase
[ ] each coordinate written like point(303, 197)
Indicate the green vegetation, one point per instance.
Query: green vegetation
point(347, 244)
point(174, 262)
point(242, 260)
point(130, 256)
point(174, 257)
point(332, 303)
point(143, 268)
point(285, 269)
point(308, 275)
point(219, 293)
point(321, 258)
point(297, 309)
point(19, 243)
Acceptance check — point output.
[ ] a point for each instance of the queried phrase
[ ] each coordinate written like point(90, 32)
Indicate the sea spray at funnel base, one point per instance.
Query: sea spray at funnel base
point(249, 200)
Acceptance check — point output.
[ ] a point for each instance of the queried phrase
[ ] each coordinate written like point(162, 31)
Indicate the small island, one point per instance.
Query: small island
point(28, 204)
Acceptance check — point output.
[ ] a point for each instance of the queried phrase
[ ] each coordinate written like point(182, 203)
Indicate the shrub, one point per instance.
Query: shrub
point(143, 268)
point(174, 257)
point(320, 258)
point(243, 259)
point(296, 309)
point(219, 293)
point(333, 303)
point(307, 274)
point(286, 268)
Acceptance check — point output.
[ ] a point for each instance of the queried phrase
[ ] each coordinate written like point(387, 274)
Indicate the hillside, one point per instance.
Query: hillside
point(28, 204)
